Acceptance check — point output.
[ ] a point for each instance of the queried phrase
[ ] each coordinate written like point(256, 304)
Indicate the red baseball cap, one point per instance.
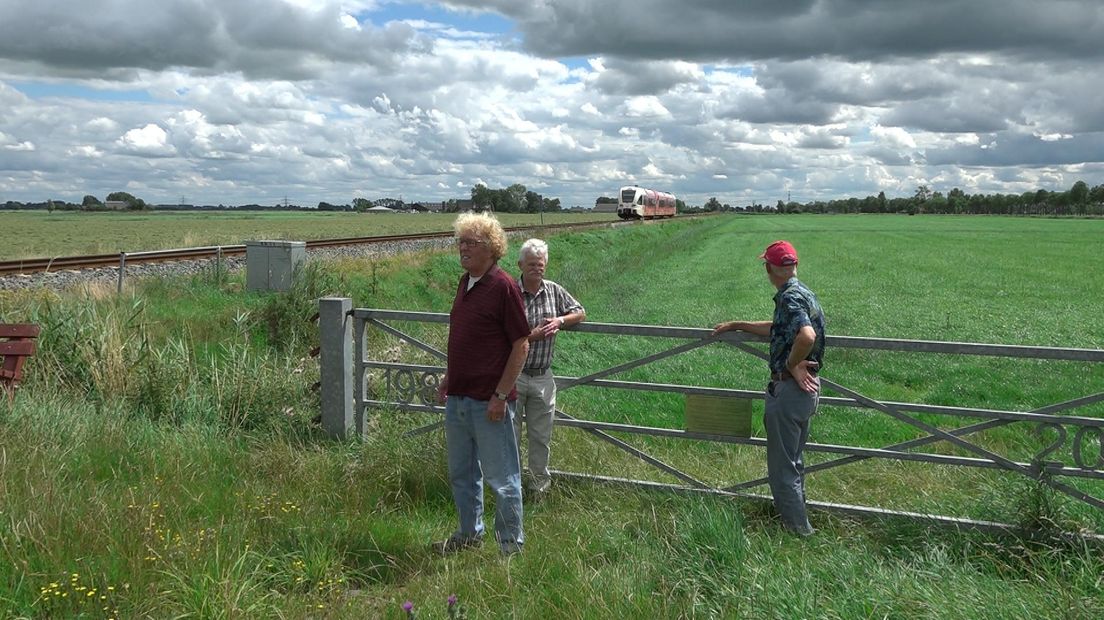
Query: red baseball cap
point(780, 253)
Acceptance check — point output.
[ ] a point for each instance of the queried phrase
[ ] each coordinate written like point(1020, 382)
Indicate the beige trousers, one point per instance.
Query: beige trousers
point(536, 404)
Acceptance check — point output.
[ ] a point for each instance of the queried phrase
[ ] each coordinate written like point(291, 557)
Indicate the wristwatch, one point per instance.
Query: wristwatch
point(502, 395)
point(561, 320)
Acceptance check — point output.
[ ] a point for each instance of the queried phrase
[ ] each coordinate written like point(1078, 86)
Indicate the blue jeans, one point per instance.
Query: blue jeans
point(479, 448)
point(786, 418)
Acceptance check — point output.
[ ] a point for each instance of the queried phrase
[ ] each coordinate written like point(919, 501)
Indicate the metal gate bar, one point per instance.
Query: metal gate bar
point(865, 453)
point(965, 430)
point(567, 420)
point(958, 523)
point(580, 381)
point(690, 346)
point(1034, 473)
point(1037, 415)
point(403, 377)
point(889, 452)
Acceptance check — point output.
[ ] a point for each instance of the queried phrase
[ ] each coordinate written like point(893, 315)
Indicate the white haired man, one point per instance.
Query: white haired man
point(796, 350)
point(549, 308)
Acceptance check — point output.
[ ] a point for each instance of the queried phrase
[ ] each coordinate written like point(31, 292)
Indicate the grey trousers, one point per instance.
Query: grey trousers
point(786, 418)
point(536, 404)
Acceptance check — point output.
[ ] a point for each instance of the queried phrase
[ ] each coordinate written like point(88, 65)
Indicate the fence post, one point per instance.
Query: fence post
point(335, 322)
point(122, 271)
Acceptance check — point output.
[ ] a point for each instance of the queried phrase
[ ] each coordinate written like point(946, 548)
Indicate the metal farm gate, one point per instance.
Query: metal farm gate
point(347, 395)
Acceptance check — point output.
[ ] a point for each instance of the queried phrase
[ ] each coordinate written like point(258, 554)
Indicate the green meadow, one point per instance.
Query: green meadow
point(161, 460)
point(41, 234)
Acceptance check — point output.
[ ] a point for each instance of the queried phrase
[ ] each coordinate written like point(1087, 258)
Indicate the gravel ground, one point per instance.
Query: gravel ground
point(110, 275)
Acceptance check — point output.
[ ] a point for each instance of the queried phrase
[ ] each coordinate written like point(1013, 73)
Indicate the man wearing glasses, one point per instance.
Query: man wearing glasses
point(549, 308)
point(796, 350)
point(487, 345)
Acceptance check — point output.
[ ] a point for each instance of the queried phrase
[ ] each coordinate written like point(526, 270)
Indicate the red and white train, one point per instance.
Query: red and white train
point(637, 203)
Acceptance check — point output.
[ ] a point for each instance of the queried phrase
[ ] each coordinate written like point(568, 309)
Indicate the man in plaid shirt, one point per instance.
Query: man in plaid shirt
point(549, 308)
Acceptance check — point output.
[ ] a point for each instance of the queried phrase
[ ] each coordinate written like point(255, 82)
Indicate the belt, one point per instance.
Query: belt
point(785, 374)
point(534, 372)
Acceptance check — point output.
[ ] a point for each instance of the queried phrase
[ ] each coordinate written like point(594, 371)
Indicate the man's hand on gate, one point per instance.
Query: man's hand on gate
point(551, 327)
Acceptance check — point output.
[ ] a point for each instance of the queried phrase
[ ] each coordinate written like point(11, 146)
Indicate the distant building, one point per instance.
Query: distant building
point(463, 204)
point(447, 206)
point(115, 205)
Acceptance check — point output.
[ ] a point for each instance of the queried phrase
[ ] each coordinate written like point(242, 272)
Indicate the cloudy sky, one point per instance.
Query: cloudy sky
point(252, 101)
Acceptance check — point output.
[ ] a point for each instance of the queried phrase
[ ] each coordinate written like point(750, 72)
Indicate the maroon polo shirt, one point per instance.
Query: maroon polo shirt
point(483, 326)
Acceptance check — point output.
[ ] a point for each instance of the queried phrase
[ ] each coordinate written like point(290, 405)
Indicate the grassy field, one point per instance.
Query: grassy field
point(40, 234)
point(160, 461)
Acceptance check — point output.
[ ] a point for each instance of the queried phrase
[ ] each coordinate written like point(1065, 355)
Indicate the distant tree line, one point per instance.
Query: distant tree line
point(1079, 200)
point(90, 203)
point(513, 199)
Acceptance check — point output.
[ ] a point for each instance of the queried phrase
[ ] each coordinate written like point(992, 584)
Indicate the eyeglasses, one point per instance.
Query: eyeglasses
point(469, 242)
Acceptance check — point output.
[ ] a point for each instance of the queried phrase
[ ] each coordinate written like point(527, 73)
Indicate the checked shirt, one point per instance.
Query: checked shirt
point(551, 300)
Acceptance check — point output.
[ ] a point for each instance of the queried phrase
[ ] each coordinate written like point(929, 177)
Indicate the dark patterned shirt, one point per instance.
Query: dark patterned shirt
point(550, 300)
point(483, 326)
point(795, 306)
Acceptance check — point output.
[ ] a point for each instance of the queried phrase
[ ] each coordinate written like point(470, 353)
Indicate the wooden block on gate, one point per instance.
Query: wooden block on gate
point(19, 330)
point(718, 415)
point(17, 345)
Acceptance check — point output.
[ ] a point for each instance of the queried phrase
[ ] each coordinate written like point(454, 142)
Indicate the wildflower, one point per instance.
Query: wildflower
point(408, 607)
point(455, 609)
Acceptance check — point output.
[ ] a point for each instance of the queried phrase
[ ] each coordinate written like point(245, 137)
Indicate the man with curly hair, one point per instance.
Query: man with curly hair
point(487, 345)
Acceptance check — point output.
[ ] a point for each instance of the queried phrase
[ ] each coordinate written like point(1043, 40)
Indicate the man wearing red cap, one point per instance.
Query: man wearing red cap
point(796, 350)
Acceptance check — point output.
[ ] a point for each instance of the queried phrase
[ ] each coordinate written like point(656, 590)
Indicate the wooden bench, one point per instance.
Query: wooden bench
point(16, 345)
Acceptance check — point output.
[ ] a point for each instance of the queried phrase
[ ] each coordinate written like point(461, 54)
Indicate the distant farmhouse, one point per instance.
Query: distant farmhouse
point(450, 206)
point(605, 204)
point(115, 205)
point(422, 206)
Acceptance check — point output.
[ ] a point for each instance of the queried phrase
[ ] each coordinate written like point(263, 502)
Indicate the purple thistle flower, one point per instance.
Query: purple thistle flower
point(452, 600)
point(408, 607)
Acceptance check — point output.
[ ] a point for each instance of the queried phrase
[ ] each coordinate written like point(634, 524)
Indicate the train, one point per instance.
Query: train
point(638, 203)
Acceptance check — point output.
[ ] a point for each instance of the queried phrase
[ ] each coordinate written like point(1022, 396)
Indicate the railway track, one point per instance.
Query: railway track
point(28, 266)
